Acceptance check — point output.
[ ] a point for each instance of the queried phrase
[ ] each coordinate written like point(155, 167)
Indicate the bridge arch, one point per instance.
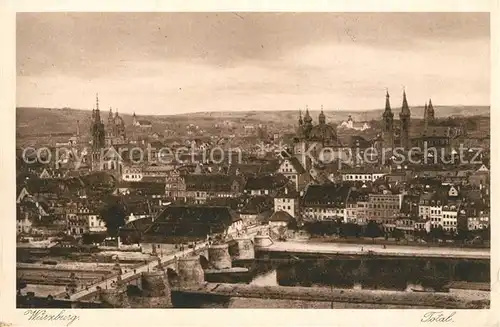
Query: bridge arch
point(172, 276)
point(204, 262)
point(133, 290)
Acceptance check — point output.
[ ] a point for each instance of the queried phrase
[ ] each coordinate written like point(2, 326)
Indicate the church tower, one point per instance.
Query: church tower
point(404, 118)
point(426, 117)
point(388, 124)
point(430, 112)
point(110, 116)
point(98, 136)
point(134, 119)
point(321, 117)
point(307, 123)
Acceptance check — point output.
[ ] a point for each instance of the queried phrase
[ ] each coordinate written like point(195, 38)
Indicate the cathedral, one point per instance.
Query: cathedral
point(418, 134)
point(315, 137)
point(104, 138)
point(396, 136)
point(115, 129)
point(322, 132)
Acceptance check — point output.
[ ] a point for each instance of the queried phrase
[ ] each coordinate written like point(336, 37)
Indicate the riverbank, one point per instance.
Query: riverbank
point(348, 298)
point(309, 247)
point(383, 241)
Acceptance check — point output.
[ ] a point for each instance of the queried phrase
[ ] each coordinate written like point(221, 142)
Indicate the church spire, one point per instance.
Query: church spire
point(300, 117)
point(405, 110)
point(387, 124)
point(321, 117)
point(404, 119)
point(430, 110)
point(97, 101)
point(307, 117)
point(387, 101)
point(387, 112)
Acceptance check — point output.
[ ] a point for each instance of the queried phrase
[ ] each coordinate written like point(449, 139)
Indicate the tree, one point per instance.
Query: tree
point(89, 238)
point(397, 234)
point(113, 215)
point(373, 230)
point(485, 233)
point(437, 233)
point(350, 229)
point(420, 234)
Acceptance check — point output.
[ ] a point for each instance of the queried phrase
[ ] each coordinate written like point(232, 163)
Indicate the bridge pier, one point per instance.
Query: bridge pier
point(190, 273)
point(262, 241)
point(242, 249)
point(155, 291)
point(218, 256)
point(114, 297)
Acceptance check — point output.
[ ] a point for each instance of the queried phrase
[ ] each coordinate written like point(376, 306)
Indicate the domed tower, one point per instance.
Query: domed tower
point(387, 124)
point(404, 118)
point(110, 116)
point(321, 117)
point(119, 126)
point(307, 123)
point(322, 132)
point(300, 129)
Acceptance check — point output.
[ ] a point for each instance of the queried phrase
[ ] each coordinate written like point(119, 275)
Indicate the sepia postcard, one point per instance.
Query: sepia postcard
point(307, 158)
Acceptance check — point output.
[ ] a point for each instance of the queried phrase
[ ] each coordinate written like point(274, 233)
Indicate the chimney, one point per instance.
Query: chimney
point(286, 190)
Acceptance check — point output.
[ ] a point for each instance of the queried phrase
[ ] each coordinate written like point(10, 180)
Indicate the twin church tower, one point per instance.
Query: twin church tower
point(393, 136)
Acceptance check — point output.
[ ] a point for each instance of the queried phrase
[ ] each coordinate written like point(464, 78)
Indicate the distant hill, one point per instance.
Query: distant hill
point(34, 121)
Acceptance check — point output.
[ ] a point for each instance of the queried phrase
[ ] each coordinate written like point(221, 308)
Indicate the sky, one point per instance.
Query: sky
point(172, 63)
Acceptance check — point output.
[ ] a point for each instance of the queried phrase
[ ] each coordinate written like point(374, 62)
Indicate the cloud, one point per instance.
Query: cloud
point(182, 62)
point(88, 44)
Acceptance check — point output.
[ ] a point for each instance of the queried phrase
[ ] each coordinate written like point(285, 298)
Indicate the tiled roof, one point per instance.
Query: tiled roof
point(139, 225)
point(153, 179)
point(256, 204)
point(148, 187)
point(192, 221)
point(330, 195)
point(268, 182)
point(287, 191)
point(281, 216)
point(213, 183)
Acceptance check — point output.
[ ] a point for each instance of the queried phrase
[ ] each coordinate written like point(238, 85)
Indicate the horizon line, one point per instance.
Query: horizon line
point(251, 110)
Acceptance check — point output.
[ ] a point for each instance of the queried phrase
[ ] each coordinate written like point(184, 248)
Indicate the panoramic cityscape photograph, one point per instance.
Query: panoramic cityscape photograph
point(252, 160)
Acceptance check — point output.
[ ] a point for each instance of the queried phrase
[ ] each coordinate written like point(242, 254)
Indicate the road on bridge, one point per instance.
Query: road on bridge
point(133, 272)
